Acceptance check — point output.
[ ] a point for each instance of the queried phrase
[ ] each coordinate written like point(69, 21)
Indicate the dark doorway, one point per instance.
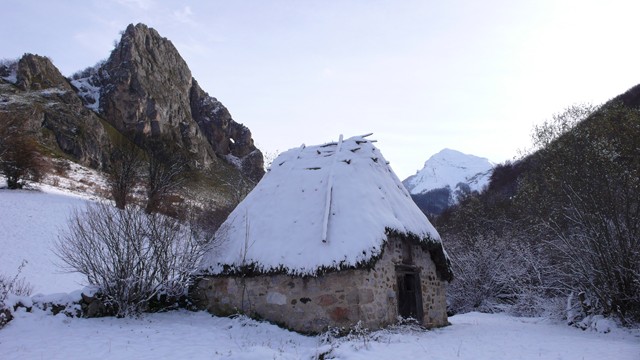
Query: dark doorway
point(409, 293)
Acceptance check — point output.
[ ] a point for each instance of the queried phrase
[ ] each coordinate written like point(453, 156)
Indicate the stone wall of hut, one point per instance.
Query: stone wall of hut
point(337, 299)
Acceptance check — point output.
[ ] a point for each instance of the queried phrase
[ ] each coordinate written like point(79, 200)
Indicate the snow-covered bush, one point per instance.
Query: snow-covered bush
point(495, 273)
point(12, 286)
point(134, 258)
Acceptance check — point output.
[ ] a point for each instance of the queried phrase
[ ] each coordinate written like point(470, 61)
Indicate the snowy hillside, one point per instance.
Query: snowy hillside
point(30, 221)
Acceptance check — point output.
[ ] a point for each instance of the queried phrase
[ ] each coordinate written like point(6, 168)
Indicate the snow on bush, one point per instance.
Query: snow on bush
point(131, 256)
point(10, 288)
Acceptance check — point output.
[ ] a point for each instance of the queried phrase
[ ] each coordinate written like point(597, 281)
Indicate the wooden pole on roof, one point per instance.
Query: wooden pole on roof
point(327, 203)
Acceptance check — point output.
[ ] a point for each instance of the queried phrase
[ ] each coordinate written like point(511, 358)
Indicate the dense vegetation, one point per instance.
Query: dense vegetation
point(559, 230)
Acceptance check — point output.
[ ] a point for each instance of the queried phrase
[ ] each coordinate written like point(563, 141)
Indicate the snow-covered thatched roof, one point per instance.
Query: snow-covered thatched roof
point(318, 208)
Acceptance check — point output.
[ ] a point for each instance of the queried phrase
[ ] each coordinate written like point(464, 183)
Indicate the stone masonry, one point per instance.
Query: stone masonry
point(337, 299)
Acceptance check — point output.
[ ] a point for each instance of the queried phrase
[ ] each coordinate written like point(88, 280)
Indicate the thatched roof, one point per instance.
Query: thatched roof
point(321, 208)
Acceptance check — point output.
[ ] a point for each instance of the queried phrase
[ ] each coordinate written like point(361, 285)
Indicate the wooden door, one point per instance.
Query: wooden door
point(409, 294)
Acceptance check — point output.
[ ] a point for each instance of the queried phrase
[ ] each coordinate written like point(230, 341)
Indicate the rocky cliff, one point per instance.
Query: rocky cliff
point(143, 91)
point(146, 91)
point(34, 89)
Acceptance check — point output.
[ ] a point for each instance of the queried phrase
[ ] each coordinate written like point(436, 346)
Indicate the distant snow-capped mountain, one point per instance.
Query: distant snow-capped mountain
point(447, 175)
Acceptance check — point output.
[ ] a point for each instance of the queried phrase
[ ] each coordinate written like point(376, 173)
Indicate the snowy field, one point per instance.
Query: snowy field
point(185, 335)
point(30, 220)
point(29, 224)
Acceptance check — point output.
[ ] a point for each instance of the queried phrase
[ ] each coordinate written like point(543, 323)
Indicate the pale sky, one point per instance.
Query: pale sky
point(473, 76)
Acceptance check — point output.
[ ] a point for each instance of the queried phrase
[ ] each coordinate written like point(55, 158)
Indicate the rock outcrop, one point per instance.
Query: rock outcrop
point(35, 90)
point(38, 73)
point(143, 91)
point(145, 87)
point(147, 91)
point(228, 138)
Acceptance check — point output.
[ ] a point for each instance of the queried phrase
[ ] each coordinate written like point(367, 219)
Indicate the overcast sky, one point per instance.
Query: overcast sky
point(474, 76)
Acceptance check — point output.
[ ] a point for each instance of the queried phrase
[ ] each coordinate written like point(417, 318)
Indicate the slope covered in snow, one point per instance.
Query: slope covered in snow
point(30, 221)
point(324, 206)
point(451, 170)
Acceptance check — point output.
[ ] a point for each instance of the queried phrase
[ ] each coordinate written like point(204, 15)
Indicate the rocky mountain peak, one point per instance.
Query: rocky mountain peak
point(146, 91)
point(147, 59)
point(446, 176)
point(448, 168)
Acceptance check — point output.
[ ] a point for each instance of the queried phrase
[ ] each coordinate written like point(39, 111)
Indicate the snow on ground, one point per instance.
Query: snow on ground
point(189, 335)
point(174, 335)
point(499, 336)
point(29, 224)
point(75, 180)
point(30, 221)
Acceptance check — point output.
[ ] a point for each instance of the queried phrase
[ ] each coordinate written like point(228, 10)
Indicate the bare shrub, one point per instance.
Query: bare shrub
point(12, 285)
point(124, 172)
point(132, 256)
point(167, 170)
point(499, 273)
point(60, 168)
point(16, 285)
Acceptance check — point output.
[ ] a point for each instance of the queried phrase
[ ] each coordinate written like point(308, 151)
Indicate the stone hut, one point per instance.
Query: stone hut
point(328, 238)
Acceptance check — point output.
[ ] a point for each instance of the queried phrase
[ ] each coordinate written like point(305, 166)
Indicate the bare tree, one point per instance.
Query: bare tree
point(166, 174)
point(124, 171)
point(163, 181)
point(560, 124)
point(132, 256)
